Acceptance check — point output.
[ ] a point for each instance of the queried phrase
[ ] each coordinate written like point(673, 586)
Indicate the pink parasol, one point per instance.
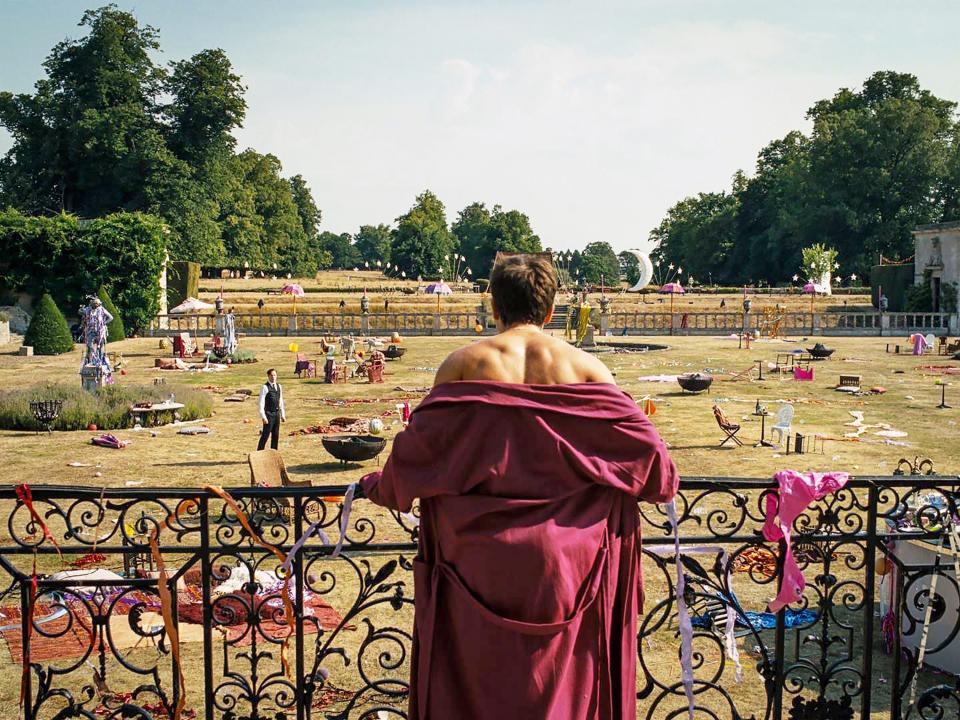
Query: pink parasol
point(673, 288)
point(296, 291)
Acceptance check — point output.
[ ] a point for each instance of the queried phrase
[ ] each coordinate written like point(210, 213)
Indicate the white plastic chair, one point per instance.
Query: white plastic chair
point(784, 420)
point(930, 340)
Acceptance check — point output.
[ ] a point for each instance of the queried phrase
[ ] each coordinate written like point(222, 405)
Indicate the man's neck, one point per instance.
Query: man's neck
point(522, 328)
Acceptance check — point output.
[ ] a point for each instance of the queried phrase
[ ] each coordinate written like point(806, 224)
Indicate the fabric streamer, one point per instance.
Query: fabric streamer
point(25, 496)
point(683, 616)
point(315, 528)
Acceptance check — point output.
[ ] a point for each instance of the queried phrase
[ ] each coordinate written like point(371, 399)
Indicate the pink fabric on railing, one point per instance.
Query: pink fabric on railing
point(796, 492)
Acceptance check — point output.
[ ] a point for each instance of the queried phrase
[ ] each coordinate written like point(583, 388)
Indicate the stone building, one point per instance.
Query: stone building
point(937, 252)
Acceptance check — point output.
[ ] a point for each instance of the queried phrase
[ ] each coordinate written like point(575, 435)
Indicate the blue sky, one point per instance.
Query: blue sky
point(591, 117)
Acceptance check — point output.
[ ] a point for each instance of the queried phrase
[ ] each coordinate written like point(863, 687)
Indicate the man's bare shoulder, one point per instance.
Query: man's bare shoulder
point(588, 367)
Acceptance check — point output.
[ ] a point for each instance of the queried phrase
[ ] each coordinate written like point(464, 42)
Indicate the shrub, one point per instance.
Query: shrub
point(243, 356)
point(108, 408)
point(115, 331)
point(48, 332)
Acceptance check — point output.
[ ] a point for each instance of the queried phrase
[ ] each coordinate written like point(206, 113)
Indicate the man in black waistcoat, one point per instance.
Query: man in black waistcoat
point(272, 411)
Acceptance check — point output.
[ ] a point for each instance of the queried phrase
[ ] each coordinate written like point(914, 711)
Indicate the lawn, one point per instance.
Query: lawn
point(163, 458)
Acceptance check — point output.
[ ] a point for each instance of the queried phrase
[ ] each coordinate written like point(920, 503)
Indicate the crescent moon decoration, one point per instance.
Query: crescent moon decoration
point(645, 267)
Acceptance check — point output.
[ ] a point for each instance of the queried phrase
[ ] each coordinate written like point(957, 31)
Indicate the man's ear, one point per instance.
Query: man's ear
point(549, 316)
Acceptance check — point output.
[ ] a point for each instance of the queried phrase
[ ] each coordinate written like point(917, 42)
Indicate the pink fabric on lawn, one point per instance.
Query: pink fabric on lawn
point(796, 492)
point(527, 580)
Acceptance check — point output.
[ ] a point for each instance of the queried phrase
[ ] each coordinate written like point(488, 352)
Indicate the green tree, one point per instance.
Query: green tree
point(115, 331)
point(89, 139)
point(876, 157)
point(600, 262)
point(48, 332)
point(307, 209)
point(207, 105)
point(481, 234)
point(699, 234)
point(344, 255)
point(422, 238)
point(471, 229)
point(373, 243)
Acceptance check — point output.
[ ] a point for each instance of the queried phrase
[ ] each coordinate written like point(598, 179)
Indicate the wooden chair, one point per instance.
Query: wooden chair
point(267, 469)
point(731, 429)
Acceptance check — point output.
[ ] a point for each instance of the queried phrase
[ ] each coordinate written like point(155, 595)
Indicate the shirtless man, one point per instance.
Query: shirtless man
point(528, 472)
point(521, 352)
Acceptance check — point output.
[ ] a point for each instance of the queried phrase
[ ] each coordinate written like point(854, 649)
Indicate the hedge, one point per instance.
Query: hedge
point(48, 332)
point(71, 259)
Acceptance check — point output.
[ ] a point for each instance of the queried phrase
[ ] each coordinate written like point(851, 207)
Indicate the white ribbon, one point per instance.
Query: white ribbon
point(315, 528)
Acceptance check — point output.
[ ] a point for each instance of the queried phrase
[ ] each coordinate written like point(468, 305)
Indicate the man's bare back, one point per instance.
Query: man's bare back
point(523, 354)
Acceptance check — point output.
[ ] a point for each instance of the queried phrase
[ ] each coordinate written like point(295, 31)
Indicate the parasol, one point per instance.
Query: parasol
point(672, 288)
point(296, 291)
point(190, 305)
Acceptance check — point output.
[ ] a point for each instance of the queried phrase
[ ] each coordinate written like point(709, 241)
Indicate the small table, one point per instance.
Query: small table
point(155, 409)
point(763, 431)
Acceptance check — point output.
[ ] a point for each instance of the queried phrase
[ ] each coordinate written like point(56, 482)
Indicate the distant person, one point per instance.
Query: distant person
point(343, 304)
point(883, 302)
point(723, 303)
point(272, 411)
point(386, 304)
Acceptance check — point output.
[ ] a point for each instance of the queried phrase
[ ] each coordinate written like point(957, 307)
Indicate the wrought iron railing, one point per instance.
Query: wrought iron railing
point(95, 645)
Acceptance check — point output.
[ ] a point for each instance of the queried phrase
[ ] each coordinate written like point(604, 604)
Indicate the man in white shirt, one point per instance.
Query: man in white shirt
point(272, 411)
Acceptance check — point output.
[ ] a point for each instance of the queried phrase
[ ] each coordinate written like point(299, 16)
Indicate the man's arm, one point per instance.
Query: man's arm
point(283, 409)
point(263, 397)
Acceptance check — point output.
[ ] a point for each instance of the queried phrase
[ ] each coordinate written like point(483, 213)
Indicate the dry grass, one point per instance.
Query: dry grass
point(686, 422)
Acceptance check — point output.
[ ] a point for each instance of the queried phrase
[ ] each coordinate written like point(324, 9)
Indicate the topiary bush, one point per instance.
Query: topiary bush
point(48, 332)
point(108, 408)
point(115, 331)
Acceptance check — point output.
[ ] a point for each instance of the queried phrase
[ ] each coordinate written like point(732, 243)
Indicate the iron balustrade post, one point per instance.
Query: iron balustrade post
point(305, 697)
point(896, 689)
point(206, 576)
point(779, 654)
point(26, 696)
point(870, 552)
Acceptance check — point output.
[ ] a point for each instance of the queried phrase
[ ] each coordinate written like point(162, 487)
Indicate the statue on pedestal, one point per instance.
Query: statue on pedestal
point(95, 370)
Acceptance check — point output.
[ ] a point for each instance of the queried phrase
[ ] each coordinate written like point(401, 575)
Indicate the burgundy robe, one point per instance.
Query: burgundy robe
point(527, 583)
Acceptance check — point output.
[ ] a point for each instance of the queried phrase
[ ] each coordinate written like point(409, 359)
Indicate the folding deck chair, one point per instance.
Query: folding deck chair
point(731, 429)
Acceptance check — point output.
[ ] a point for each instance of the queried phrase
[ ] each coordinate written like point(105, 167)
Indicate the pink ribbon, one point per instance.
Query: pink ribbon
point(315, 529)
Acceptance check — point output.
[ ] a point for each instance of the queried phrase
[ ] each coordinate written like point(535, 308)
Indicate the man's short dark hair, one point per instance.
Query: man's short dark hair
point(271, 370)
point(523, 287)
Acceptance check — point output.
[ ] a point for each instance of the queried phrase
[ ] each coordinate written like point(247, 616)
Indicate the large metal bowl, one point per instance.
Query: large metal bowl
point(394, 352)
point(354, 448)
point(819, 352)
point(695, 382)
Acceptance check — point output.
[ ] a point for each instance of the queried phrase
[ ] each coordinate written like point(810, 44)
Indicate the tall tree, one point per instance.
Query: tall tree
point(483, 234)
point(306, 207)
point(470, 230)
point(876, 156)
point(373, 243)
point(422, 238)
point(599, 262)
point(89, 139)
point(699, 233)
point(207, 105)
